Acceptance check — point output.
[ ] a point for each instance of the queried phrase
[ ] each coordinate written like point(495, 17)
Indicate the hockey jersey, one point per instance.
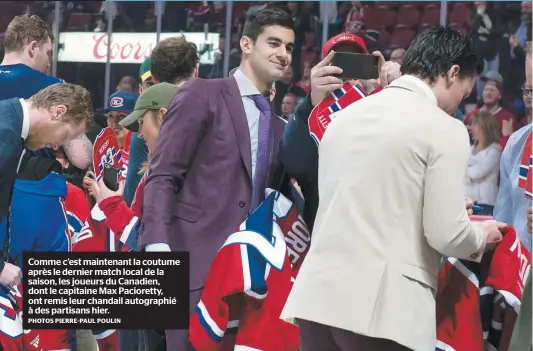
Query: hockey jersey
point(250, 280)
point(477, 303)
point(324, 112)
point(77, 208)
point(12, 336)
point(46, 229)
point(112, 225)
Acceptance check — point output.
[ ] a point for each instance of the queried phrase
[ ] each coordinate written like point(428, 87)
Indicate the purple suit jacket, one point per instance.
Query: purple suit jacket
point(199, 187)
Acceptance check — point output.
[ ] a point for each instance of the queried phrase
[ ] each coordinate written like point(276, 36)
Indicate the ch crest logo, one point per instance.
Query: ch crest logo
point(344, 37)
point(116, 102)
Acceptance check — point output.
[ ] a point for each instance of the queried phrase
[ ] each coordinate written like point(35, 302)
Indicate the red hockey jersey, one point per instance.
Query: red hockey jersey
point(250, 280)
point(477, 303)
point(77, 208)
point(112, 225)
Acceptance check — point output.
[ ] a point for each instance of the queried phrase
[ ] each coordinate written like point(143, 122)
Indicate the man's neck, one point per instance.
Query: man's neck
point(263, 87)
point(490, 107)
point(14, 58)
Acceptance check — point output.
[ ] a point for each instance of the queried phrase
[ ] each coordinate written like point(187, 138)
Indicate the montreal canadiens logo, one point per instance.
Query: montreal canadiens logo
point(117, 102)
point(344, 37)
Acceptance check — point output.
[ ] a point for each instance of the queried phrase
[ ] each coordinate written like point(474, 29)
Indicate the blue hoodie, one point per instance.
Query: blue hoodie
point(38, 217)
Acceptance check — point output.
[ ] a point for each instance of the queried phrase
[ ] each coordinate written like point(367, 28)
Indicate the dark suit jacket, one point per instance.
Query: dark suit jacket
point(199, 186)
point(11, 147)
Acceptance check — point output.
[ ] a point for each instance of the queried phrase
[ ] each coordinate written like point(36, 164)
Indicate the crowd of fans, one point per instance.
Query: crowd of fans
point(499, 104)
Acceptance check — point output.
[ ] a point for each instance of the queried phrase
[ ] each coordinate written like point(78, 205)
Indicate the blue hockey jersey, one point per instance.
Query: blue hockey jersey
point(21, 81)
point(38, 217)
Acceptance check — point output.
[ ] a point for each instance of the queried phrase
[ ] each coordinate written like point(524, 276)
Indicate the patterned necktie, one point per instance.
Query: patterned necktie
point(263, 150)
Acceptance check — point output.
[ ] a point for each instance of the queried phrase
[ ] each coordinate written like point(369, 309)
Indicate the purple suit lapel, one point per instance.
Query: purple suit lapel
point(233, 100)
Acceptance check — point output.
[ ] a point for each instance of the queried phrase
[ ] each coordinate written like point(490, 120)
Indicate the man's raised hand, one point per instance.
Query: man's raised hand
point(323, 80)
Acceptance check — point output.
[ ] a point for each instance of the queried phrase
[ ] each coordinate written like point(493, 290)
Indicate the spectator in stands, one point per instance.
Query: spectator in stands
point(305, 81)
point(28, 45)
point(286, 85)
point(486, 28)
point(481, 181)
point(397, 56)
point(127, 84)
point(492, 95)
point(354, 21)
point(288, 105)
point(217, 71)
point(519, 31)
point(200, 186)
point(513, 200)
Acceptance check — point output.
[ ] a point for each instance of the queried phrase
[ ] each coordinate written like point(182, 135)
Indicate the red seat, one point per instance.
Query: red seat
point(431, 16)
point(459, 28)
point(459, 14)
point(384, 38)
point(408, 15)
point(401, 38)
point(379, 17)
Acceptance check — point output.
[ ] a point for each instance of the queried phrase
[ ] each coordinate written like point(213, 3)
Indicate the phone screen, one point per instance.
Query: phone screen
point(110, 177)
point(356, 66)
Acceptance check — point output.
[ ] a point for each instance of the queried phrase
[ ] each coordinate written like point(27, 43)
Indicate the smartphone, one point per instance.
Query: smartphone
point(110, 176)
point(356, 66)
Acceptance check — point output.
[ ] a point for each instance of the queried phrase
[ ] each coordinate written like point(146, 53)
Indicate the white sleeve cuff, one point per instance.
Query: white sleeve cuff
point(157, 247)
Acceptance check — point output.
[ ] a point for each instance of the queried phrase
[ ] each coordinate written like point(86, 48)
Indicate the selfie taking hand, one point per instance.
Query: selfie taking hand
point(323, 80)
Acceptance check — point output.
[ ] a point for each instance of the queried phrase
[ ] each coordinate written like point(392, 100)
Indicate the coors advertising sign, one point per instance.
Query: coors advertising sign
point(126, 47)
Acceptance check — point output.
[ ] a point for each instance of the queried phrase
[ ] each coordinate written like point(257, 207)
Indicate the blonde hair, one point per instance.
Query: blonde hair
point(529, 47)
point(489, 127)
point(76, 99)
point(24, 29)
point(146, 165)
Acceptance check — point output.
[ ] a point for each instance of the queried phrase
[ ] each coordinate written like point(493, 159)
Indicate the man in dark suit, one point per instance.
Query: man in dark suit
point(52, 117)
point(216, 154)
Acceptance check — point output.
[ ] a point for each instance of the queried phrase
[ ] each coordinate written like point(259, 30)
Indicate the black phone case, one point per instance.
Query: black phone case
point(110, 176)
point(356, 66)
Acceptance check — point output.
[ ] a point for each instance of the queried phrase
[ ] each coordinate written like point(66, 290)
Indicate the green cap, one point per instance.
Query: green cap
point(144, 71)
point(153, 98)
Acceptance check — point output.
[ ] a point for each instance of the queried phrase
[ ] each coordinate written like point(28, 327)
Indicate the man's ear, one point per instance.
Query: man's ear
point(453, 74)
point(32, 47)
point(196, 70)
point(246, 44)
point(58, 112)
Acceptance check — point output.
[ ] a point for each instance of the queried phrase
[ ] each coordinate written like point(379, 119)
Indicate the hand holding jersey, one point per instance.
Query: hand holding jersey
point(10, 275)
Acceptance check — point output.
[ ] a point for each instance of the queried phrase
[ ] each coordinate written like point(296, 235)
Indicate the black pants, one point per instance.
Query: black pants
point(154, 340)
point(319, 337)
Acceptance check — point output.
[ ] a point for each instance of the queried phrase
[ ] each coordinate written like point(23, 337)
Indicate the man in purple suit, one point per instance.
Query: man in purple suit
point(216, 154)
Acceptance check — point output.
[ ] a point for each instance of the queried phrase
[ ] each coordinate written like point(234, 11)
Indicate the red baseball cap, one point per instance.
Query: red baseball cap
point(344, 38)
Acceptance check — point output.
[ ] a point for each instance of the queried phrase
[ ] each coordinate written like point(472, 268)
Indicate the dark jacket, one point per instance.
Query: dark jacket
point(11, 147)
point(299, 157)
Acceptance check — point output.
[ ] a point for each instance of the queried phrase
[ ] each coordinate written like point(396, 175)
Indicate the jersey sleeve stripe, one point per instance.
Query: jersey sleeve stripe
point(208, 323)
